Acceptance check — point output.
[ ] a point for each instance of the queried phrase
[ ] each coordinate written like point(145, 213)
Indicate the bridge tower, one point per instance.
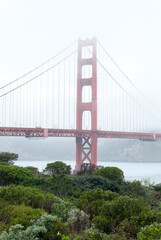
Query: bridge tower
point(86, 147)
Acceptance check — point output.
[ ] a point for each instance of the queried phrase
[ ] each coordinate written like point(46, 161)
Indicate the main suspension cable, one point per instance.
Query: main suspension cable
point(39, 65)
point(127, 77)
point(4, 94)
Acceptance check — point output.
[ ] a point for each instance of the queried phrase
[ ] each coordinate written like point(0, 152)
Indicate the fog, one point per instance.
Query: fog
point(33, 31)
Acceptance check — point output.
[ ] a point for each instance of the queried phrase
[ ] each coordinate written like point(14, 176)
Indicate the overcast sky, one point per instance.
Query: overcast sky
point(31, 31)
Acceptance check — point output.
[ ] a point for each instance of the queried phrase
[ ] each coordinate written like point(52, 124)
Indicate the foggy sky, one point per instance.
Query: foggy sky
point(32, 31)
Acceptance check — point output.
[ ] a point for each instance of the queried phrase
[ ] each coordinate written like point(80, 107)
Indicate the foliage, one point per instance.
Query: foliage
point(62, 208)
point(94, 234)
point(116, 209)
point(34, 170)
point(111, 173)
point(86, 169)
point(30, 196)
point(150, 232)
point(40, 229)
point(89, 234)
point(78, 220)
point(8, 157)
point(130, 227)
point(121, 208)
point(133, 189)
point(14, 174)
point(94, 182)
point(61, 185)
point(14, 214)
point(57, 168)
point(91, 201)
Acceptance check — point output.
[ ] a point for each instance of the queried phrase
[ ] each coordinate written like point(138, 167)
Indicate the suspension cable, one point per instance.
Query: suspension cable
point(39, 65)
point(127, 77)
point(38, 75)
point(125, 90)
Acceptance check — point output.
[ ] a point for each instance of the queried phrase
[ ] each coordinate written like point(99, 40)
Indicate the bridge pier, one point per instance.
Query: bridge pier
point(86, 147)
point(86, 150)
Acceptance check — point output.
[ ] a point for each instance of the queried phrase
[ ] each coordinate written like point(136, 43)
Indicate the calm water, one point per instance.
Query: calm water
point(132, 171)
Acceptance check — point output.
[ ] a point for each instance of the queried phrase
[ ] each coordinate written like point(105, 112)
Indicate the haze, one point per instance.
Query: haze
point(33, 31)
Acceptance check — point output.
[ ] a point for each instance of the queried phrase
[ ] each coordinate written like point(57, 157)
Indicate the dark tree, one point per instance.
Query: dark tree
point(86, 169)
point(57, 168)
point(111, 173)
point(8, 157)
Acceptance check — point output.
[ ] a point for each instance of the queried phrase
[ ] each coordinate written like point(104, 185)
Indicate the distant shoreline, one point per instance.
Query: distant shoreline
point(73, 160)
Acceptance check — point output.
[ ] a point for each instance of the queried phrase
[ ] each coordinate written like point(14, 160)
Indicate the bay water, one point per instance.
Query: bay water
point(132, 170)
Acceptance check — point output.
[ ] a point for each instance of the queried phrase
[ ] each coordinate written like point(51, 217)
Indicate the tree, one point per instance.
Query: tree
point(93, 182)
point(62, 185)
point(8, 157)
point(57, 168)
point(14, 174)
point(112, 173)
point(86, 169)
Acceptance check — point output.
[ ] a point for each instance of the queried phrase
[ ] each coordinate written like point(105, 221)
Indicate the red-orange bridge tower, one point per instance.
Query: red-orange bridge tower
point(86, 147)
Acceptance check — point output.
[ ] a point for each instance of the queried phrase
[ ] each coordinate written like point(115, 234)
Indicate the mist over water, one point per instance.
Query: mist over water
point(132, 171)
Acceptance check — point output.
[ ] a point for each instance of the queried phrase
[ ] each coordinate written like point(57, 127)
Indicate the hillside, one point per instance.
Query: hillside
point(64, 148)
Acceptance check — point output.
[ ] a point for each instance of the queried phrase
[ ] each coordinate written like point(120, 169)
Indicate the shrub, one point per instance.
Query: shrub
point(121, 208)
point(94, 182)
point(62, 208)
point(14, 174)
point(91, 201)
point(29, 196)
point(46, 227)
point(14, 214)
point(111, 173)
point(78, 220)
point(150, 232)
point(133, 189)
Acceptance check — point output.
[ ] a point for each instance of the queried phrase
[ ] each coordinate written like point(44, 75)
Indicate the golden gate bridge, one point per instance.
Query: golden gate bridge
point(80, 92)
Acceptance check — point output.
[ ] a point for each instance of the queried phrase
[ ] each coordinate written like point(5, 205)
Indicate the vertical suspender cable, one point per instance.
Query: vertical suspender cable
point(64, 98)
point(69, 92)
point(59, 96)
point(75, 79)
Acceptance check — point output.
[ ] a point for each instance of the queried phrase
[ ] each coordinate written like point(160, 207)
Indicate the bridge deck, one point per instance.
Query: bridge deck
point(44, 132)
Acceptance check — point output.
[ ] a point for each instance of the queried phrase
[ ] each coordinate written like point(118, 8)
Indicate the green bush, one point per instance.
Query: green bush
point(111, 173)
point(14, 214)
point(62, 208)
point(131, 226)
point(93, 234)
point(111, 213)
point(29, 196)
point(61, 185)
point(94, 182)
point(14, 174)
point(133, 189)
point(46, 228)
point(91, 201)
point(150, 232)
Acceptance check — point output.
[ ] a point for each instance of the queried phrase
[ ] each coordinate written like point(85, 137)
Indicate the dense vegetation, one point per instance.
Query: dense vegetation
point(96, 204)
